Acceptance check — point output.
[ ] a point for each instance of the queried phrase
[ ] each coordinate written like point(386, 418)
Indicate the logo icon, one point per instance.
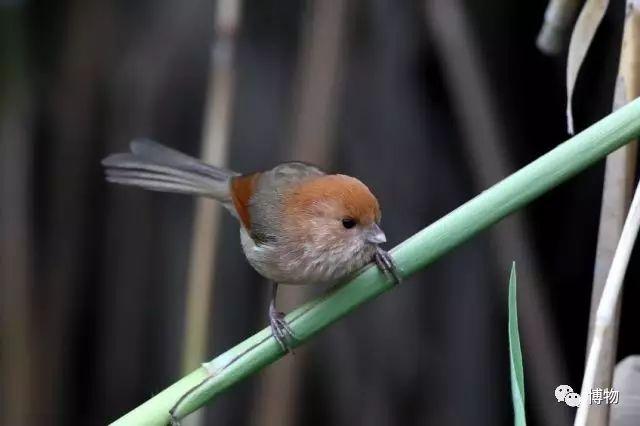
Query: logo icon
point(565, 393)
point(562, 391)
point(572, 399)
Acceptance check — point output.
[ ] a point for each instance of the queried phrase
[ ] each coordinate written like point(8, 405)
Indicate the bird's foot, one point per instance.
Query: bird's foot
point(385, 263)
point(281, 330)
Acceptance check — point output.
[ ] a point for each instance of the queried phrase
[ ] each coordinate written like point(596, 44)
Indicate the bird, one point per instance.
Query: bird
point(298, 224)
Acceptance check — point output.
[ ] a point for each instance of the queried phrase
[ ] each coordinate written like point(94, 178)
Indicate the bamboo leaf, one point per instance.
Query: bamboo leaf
point(586, 26)
point(515, 354)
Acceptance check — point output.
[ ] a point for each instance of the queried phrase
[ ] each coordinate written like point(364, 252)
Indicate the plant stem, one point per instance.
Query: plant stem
point(217, 124)
point(606, 315)
point(206, 229)
point(619, 181)
point(411, 256)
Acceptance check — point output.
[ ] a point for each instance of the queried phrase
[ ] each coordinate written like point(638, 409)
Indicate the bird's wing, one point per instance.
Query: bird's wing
point(257, 197)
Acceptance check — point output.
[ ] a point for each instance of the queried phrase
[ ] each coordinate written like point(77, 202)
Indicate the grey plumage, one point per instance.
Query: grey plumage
point(282, 248)
point(156, 167)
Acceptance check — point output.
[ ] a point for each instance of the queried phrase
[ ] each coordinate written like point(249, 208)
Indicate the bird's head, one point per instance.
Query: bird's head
point(335, 213)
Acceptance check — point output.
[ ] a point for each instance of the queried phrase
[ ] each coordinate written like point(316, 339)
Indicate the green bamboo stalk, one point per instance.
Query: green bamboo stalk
point(412, 255)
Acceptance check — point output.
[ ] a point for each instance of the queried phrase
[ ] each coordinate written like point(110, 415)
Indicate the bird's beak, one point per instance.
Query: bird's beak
point(374, 235)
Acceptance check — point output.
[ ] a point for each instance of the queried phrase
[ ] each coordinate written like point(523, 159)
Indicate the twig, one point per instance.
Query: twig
point(411, 256)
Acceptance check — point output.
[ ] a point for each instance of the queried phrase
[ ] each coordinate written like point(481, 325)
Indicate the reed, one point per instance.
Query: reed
point(411, 256)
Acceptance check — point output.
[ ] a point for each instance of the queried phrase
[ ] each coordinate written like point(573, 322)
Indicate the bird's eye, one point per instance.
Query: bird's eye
point(348, 222)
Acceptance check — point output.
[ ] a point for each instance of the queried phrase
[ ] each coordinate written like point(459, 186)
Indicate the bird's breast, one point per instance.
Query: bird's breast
point(299, 264)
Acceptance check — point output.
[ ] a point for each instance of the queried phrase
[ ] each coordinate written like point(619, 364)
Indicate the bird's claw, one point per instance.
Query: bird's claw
point(385, 263)
point(281, 330)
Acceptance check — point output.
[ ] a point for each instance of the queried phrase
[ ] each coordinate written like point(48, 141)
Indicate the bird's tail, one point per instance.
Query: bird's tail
point(153, 166)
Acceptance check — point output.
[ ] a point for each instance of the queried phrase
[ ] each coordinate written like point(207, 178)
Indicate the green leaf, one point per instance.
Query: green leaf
point(515, 354)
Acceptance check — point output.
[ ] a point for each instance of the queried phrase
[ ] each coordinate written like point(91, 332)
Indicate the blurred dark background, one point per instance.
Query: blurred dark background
point(428, 102)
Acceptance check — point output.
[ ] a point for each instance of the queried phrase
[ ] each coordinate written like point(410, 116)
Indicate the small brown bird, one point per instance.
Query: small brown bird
point(298, 225)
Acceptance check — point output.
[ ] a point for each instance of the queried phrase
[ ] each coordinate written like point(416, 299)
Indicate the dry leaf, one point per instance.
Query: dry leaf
point(586, 26)
point(618, 185)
